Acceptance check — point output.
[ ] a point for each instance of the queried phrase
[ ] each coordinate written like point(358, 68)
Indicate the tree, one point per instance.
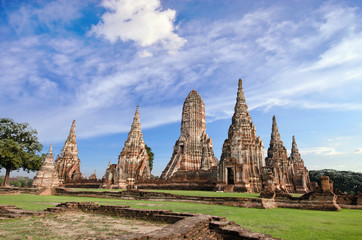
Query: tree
point(19, 146)
point(345, 181)
point(151, 156)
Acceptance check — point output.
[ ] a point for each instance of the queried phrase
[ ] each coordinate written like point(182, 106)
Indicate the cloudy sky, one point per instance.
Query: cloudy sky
point(95, 61)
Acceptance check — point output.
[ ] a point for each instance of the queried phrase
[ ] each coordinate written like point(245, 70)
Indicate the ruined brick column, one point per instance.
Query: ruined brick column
point(277, 161)
point(133, 161)
point(193, 150)
point(68, 163)
point(242, 156)
point(300, 172)
point(47, 176)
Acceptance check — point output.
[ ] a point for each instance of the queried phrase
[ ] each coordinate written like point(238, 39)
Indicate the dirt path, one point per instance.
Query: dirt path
point(73, 225)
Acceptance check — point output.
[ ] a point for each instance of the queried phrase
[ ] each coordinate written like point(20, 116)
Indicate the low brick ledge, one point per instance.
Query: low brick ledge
point(160, 196)
point(11, 211)
point(182, 225)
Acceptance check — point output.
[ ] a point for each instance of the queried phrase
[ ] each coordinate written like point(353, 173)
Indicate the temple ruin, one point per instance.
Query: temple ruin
point(242, 165)
point(133, 161)
point(67, 163)
point(300, 172)
point(242, 158)
point(47, 176)
point(289, 174)
point(193, 150)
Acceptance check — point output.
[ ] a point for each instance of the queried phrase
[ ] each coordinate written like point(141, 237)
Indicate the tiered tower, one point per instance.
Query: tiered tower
point(133, 161)
point(300, 173)
point(47, 176)
point(68, 163)
point(193, 150)
point(242, 155)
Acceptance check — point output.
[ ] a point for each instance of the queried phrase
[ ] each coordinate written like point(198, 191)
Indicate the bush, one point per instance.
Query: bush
point(345, 181)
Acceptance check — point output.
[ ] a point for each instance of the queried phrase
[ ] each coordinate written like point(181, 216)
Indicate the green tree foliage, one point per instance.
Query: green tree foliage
point(151, 156)
point(19, 147)
point(345, 181)
point(18, 182)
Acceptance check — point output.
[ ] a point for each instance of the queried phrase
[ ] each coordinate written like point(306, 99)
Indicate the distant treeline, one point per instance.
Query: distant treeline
point(345, 181)
point(18, 181)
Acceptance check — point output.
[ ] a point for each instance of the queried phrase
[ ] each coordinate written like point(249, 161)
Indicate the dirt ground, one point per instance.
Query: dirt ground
point(73, 225)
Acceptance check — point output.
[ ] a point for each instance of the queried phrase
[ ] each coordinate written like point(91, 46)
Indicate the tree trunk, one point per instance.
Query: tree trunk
point(7, 176)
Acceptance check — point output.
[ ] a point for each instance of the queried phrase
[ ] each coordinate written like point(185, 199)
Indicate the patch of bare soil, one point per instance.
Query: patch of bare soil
point(76, 225)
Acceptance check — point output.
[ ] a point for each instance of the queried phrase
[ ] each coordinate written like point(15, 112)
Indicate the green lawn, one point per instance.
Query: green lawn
point(279, 222)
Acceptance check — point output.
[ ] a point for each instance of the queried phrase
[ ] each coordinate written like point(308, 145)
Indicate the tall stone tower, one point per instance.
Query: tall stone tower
point(242, 155)
point(193, 150)
point(133, 161)
point(300, 172)
point(47, 176)
point(68, 163)
point(277, 161)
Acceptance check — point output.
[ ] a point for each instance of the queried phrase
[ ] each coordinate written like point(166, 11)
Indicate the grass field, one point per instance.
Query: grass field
point(279, 222)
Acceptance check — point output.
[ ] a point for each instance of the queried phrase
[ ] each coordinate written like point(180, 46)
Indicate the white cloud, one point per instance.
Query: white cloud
point(326, 151)
point(93, 81)
point(53, 15)
point(145, 53)
point(358, 151)
point(142, 21)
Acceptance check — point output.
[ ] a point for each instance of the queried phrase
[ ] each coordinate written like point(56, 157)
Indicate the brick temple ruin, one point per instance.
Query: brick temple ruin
point(289, 173)
point(47, 176)
point(242, 157)
point(242, 165)
point(133, 161)
point(193, 151)
point(67, 163)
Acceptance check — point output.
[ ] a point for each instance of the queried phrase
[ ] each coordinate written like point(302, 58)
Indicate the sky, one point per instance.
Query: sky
point(95, 61)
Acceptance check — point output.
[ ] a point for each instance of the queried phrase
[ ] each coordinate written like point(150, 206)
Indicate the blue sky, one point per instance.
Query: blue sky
point(95, 61)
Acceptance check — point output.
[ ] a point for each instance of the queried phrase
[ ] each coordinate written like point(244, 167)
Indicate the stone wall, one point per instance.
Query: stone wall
point(350, 201)
point(183, 225)
point(11, 211)
point(204, 180)
point(324, 201)
point(8, 190)
point(160, 196)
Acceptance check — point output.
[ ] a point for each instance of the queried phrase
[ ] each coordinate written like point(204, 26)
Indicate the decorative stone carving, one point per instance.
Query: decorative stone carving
point(193, 150)
point(242, 156)
point(133, 161)
point(47, 176)
point(68, 163)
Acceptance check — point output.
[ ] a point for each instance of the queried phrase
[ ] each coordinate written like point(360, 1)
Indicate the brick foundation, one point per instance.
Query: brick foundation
point(182, 225)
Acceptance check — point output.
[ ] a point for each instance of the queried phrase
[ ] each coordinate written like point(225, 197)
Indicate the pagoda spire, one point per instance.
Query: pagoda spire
point(135, 136)
point(275, 136)
point(240, 94)
point(136, 124)
point(51, 149)
point(70, 146)
point(72, 131)
point(295, 155)
point(240, 107)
